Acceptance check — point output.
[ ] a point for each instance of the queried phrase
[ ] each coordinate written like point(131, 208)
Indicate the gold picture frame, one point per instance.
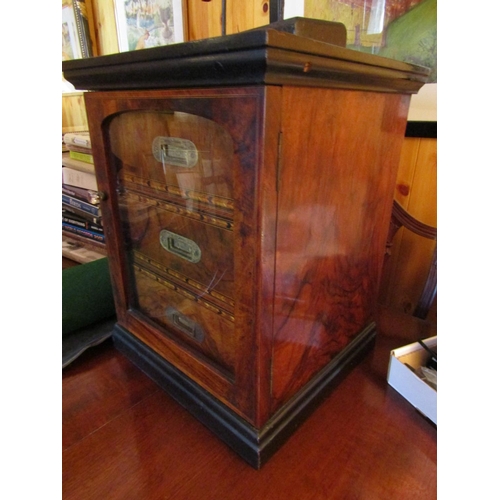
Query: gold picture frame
point(76, 41)
point(149, 23)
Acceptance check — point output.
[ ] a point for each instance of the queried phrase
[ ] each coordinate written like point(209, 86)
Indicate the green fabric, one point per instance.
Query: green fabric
point(87, 296)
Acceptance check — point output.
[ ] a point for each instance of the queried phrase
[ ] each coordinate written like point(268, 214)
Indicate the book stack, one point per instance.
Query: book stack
point(81, 213)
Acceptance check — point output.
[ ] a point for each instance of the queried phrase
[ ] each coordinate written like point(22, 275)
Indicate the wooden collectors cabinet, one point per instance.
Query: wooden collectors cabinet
point(248, 184)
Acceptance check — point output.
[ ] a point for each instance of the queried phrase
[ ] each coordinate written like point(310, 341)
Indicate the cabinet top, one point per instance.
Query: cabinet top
point(260, 56)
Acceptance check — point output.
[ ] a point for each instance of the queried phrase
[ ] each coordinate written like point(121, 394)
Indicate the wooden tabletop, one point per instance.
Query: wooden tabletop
point(124, 438)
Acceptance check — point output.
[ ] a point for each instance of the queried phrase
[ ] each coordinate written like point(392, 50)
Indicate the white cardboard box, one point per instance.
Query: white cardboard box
point(420, 394)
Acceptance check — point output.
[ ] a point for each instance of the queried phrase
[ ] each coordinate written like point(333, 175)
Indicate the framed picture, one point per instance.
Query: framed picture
point(142, 24)
point(76, 42)
point(405, 30)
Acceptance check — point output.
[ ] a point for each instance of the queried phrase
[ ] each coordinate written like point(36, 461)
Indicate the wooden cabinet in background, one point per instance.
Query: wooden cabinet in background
point(249, 184)
point(74, 116)
point(411, 255)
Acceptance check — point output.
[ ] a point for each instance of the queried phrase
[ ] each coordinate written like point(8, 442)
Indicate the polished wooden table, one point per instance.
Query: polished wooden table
point(124, 438)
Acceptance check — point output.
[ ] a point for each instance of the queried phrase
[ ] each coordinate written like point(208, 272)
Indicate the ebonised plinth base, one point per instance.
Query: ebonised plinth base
point(255, 446)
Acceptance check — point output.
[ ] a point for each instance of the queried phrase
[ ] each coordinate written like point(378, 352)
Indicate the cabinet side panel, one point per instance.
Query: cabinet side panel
point(340, 155)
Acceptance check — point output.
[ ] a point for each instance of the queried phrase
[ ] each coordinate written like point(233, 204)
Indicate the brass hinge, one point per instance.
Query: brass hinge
point(278, 169)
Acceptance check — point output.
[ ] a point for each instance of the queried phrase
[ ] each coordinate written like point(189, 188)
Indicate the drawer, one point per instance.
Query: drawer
point(201, 328)
point(179, 153)
point(193, 247)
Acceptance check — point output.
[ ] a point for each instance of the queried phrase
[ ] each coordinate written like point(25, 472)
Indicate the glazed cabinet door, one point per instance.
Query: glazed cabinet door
point(180, 171)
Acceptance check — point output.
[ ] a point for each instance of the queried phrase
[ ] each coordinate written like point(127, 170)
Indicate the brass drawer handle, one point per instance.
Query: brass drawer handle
point(179, 245)
point(175, 151)
point(185, 324)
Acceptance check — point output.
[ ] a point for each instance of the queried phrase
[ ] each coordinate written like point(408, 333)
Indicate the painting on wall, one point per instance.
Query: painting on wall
point(148, 23)
point(75, 30)
point(405, 30)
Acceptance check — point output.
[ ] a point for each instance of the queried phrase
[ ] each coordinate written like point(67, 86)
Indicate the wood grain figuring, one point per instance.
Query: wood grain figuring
point(336, 180)
point(215, 268)
point(106, 41)
point(217, 342)
point(133, 136)
point(243, 16)
point(204, 19)
point(74, 117)
point(223, 303)
point(129, 440)
point(406, 170)
point(423, 194)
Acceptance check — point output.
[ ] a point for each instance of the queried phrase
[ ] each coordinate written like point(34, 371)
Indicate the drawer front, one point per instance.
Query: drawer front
point(205, 330)
point(173, 153)
point(196, 249)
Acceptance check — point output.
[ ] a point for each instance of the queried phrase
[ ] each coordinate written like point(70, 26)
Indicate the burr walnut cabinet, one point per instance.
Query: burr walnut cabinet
point(247, 189)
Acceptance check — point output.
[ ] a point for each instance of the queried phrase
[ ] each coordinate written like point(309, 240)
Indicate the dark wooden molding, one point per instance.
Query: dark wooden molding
point(424, 129)
point(261, 56)
point(253, 445)
point(400, 217)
